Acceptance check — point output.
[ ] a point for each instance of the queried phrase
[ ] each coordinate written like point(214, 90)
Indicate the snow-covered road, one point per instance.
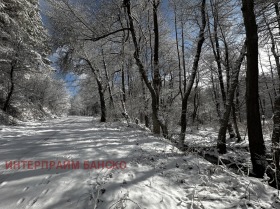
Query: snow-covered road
point(156, 176)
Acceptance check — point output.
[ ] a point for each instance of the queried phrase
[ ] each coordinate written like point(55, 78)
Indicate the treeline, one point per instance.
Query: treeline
point(28, 87)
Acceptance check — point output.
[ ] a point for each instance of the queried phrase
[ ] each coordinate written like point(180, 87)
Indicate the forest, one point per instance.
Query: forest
point(203, 74)
point(173, 66)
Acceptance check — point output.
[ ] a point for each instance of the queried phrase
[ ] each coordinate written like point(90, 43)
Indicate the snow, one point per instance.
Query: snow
point(204, 139)
point(157, 175)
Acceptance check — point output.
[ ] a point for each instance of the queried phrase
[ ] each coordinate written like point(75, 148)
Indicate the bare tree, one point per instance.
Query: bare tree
point(155, 88)
point(186, 95)
point(221, 144)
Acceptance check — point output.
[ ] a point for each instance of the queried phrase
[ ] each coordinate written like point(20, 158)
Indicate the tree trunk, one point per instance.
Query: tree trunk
point(178, 53)
point(195, 99)
point(276, 132)
point(272, 75)
point(157, 77)
point(108, 80)
point(100, 92)
point(227, 65)
point(102, 102)
point(237, 106)
point(234, 119)
point(216, 96)
point(183, 58)
point(145, 113)
point(221, 143)
point(123, 82)
point(227, 62)
point(216, 49)
point(200, 42)
point(11, 90)
point(255, 135)
point(261, 106)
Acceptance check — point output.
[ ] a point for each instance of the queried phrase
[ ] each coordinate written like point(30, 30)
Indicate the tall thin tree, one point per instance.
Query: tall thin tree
point(186, 95)
point(255, 135)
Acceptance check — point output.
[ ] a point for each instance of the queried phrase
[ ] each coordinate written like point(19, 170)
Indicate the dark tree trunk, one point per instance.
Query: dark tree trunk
point(216, 49)
point(157, 77)
point(178, 53)
point(123, 84)
point(216, 96)
point(218, 60)
point(272, 76)
point(234, 119)
point(276, 132)
point(100, 91)
point(195, 99)
point(108, 80)
point(237, 106)
point(183, 58)
point(145, 113)
point(227, 65)
point(221, 144)
point(102, 102)
point(255, 135)
point(261, 106)
point(200, 42)
point(12, 88)
point(227, 62)
point(128, 81)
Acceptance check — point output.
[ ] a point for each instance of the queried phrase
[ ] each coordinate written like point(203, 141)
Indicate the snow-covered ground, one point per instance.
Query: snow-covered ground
point(204, 139)
point(156, 176)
